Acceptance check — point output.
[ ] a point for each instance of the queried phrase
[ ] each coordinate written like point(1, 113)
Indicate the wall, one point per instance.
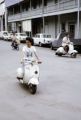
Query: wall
point(50, 26)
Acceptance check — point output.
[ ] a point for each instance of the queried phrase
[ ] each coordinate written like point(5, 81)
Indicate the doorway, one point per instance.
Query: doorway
point(72, 29)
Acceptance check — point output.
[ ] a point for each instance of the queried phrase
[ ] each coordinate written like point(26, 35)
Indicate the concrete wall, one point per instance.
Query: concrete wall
point(50, 26)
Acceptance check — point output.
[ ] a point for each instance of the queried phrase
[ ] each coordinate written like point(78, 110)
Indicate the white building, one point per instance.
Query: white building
point(49, 16)
point(2, 15)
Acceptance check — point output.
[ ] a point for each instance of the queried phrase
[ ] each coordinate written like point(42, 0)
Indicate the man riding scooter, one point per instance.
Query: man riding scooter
point(15, 42)
point(29, 73)
point(65, 43)
point(29, 52)
point(67, 47)
point(66, 40)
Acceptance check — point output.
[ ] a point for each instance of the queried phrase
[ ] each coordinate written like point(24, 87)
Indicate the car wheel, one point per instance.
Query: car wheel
point(51, 47)
point(40, 44)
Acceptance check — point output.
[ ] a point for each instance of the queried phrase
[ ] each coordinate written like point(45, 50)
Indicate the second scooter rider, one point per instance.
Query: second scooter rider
point(66, 42)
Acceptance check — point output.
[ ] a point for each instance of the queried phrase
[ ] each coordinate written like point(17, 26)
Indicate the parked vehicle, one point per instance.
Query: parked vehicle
point(67, 50)
point(29, 75)
point(4, 35)
point(42, 39)
point(57, 41)
point(21, 37)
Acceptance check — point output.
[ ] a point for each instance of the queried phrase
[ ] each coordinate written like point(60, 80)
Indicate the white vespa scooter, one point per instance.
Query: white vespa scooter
point(29, 75)
point(67, 50)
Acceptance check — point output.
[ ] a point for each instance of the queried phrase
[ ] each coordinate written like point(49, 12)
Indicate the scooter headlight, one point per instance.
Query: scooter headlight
point(36, 72)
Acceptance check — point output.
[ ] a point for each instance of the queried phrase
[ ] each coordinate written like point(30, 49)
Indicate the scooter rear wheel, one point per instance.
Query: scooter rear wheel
point(33, 89)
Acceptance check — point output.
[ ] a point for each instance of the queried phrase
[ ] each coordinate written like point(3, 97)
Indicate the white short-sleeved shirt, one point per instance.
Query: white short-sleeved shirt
point(65, 41)
point(29, 53)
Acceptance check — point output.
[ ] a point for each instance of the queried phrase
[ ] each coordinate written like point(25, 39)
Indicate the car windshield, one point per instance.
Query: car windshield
point(61, 35)
point(5, 33)
point(23, 34)
point(47, 36)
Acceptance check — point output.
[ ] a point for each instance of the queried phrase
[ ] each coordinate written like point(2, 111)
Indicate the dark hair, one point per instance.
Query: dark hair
point(30, 40)
point(66, 48)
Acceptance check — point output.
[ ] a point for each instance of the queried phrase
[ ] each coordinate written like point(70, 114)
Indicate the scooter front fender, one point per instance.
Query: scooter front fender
point(33, 81)
point(73, 51)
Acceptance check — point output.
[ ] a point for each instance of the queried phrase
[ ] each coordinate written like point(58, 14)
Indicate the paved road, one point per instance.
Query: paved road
point(59, 93)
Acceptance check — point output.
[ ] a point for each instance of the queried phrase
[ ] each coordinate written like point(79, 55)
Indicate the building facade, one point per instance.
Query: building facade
point(2, 15)
point(44, 16)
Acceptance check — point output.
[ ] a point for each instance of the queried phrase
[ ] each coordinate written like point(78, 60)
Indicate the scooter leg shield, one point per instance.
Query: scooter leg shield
point(20, 73)
point(33, 81)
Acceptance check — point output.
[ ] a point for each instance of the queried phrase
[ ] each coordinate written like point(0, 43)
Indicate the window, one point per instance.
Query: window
point(5, 33)
point(34, 4)
point(63, 27)
point(22, 34)
point(72, 30)
point(16, 9)
point(45, 2)
point(56, 1)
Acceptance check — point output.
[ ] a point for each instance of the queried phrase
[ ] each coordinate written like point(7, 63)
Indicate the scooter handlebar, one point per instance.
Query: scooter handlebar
point(39, 62)
point(32, 62)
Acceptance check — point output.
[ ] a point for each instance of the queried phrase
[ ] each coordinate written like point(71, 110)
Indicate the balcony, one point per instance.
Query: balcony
point(34, 13)
point(54, 9)
point(61, 8)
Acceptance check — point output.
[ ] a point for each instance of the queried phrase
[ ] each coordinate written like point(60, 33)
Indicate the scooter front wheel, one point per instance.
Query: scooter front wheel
point(32, 88)
point(74, 55)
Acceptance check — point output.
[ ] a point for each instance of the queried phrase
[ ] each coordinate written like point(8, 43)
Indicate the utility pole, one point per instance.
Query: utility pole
point(78, 19)
point(31, 32)
point(58, 17)
point(19, 27)
point(6, 20)
point(2, 23)
point(43, 19)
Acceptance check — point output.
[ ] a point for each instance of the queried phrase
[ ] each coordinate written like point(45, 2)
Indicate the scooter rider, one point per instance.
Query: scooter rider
point(28, 74)
point(66, 42)
point(66, 48)
point(29, 52)
point(29, 55)
point(14, 40)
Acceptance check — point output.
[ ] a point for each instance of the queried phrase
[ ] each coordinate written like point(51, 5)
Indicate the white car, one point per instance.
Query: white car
point(5, 35)
point(21, 37)
point(42, 39)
